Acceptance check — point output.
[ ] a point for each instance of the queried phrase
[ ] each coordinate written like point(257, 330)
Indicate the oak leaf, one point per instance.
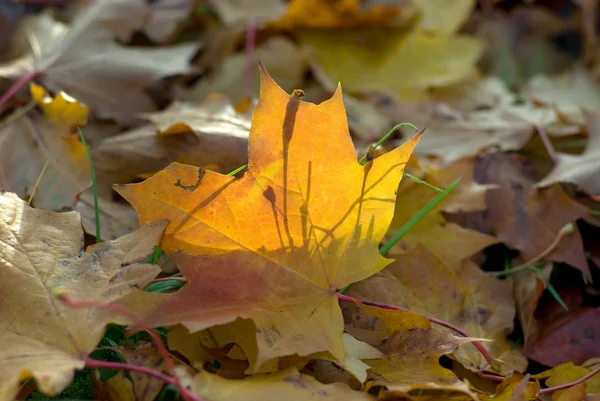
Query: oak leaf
point(274, 246)
point(29, 140)
point(40, 255)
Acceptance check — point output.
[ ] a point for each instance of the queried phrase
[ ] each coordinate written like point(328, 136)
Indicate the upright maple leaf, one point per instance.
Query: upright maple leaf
point(275, 245)
point(40, 253)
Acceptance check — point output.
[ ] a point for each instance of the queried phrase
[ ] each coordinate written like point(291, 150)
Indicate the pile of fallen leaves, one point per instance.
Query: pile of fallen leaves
point(179, 220)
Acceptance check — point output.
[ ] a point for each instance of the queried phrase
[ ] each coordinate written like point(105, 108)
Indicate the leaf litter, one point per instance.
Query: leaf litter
point(245, 216)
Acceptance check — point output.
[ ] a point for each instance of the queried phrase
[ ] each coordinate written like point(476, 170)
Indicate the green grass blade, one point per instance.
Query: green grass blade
point(419, 181)
point(411, 223)
point(237, 170)
point(165, 286)
point(386, 137)
point(508, 272)
point(417, 217)
point(158, 251)
point(94, 184)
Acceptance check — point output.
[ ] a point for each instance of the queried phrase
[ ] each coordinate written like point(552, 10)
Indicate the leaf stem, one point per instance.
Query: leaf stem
point(80, 303)
point(97, 364)
point(386, 137)
point(17, 85)
point(486, 354)
point(94, 184)
point(567, 385)
point(417, 217)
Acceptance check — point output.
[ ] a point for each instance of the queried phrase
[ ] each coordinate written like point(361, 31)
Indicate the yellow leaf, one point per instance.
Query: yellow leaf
point(403, 65)
point(412, 362)
point(62, 110)
point(305, 220)
point(287, 384)
point(40, 256)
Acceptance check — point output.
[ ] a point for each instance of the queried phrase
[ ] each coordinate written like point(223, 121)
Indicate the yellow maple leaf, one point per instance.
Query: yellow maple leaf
point(274, 246)
point(40, 255)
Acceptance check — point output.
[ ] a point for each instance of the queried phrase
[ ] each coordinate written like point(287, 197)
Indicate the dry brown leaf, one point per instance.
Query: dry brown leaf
point(459, 243)
point(462, 295)
point(524, 218)
point(29, 140)
point(85, 61)
point(40, 256)
point(412, 362)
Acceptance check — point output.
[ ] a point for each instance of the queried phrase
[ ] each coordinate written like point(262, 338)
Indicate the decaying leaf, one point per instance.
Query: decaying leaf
point(40, 255)
point(412, 362)
point(462, 295)
point(83, 60)
point(459, 243)
point(279, 221)
point(29, 140)
point(524, 218)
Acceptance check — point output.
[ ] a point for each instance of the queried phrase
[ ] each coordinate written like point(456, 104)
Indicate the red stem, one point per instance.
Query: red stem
point(567, 385)
point(486, 354)
point(79, 303)
point(17, 85)
point(250, 45)
point(490, 376)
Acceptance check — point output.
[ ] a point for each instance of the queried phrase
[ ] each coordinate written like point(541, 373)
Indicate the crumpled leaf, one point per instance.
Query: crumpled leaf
point(321, 216)
point(290, 383)
point(583, 169)
point(524, 218)
point(84, 61)
point(39, 256)
point(461, 295)
point(28, 141)
point(372, 60)
point(568, 372)
point(412, 362)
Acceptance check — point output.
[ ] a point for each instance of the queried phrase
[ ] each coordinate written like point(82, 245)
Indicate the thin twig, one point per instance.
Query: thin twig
point(490, 376)
point(80, 303)
point(567, 385)
point(566, 229)
point(486, 354)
